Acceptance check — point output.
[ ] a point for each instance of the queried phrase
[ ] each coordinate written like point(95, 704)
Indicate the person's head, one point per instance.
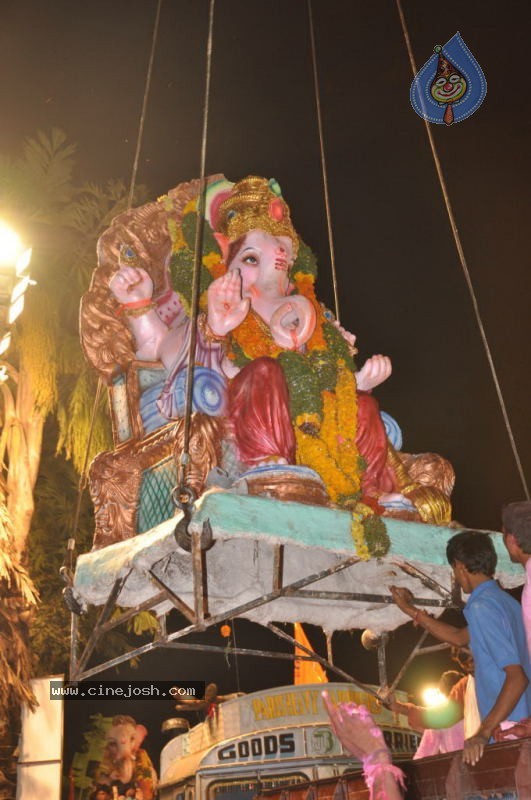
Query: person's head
point(463, 658)
point(516, 528)
point(447, 680)
point(471, 555)
point(101, 793)
point(211, 692)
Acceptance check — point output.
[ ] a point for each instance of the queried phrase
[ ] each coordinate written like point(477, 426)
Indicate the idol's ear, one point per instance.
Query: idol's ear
point(223, 244)
point(140, 735)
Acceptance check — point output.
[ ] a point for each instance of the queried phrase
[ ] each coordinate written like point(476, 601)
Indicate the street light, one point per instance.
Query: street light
point(14, 280)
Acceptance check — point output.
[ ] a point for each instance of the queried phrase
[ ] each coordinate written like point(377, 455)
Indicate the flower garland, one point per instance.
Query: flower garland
point(304, 283)
point(329, 434)
point(369, 533)
point(331, 450)
point(182, 260)
point(254, 339)
point(347, 414)
point(312, 452)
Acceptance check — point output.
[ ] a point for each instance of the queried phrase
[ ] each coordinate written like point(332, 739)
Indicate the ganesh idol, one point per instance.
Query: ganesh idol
point(274, 369)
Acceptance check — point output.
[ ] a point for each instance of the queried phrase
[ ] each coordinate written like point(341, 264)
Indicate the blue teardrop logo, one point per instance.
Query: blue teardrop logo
point(450, 86)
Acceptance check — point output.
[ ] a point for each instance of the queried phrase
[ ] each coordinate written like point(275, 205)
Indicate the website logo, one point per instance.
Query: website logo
point(450, 86)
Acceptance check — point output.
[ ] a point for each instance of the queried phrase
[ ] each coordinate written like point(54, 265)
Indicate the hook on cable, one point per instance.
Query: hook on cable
point(183, 498)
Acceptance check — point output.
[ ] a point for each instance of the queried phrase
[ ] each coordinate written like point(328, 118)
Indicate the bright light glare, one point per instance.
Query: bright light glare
point(432, 697)
point(10, 246)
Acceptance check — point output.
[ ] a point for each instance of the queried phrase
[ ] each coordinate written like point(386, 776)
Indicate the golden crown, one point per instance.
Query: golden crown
point(256, 204)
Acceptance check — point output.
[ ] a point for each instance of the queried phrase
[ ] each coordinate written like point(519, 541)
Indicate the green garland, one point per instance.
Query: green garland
point(376, 536)
point(303, 384)
point(182, 260)
point(305, 261)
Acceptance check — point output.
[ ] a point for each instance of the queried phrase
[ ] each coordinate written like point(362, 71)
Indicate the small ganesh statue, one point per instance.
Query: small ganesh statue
point(126, 767)
point(275, 386)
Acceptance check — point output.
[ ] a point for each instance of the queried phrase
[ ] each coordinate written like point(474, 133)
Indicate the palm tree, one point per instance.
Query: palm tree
point(46, 379)
point(17, 600)
point(63, 221)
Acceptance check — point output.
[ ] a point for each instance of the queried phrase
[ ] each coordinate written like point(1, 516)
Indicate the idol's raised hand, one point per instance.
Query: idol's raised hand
point(226, 306)
point(129, 284)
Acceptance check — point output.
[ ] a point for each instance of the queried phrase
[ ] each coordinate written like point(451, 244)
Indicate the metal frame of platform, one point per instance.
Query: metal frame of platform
point(200, 619)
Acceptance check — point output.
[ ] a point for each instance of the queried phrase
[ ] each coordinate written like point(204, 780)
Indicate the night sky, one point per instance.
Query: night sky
point(82, 66)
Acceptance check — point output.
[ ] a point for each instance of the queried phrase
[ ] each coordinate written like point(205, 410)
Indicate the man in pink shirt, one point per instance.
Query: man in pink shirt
point(516, 528)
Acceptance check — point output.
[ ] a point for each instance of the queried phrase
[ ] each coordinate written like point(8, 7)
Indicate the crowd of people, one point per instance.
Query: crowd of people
point(498, 636)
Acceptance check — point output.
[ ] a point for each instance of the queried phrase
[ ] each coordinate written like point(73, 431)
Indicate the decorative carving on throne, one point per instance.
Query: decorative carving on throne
point(131, 487)
point(276, 393)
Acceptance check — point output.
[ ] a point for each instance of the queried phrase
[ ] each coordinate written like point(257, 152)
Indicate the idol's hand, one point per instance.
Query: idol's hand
point(129, 284)
point(349, 337)
point(375, 371)
point(226, 307)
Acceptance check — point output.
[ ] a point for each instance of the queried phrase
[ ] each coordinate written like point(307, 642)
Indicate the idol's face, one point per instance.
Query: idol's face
point(264, 261)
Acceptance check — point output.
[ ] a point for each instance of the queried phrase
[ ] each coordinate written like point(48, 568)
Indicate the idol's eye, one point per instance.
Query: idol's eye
point(250, 259)
point(454, 78)
point(440, 81)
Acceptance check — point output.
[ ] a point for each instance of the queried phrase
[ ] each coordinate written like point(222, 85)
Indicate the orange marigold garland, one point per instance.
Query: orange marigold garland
point(254, 338)
point(347, 412)
point(312, 452)
point(304, 283)
point(329, 432)
point(331, 451)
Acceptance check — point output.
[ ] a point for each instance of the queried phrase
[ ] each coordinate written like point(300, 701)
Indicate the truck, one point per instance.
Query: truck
point(271, 739)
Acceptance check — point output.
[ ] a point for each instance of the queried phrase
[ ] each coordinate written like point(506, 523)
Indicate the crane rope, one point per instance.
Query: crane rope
point(323, 158)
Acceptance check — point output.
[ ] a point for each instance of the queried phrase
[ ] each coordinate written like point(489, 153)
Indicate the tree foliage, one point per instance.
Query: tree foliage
point(62, 219)
point(56, 494)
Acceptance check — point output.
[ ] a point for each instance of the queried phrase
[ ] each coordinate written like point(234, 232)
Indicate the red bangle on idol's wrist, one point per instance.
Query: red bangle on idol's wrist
point(135, 305)
point(146, 301)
